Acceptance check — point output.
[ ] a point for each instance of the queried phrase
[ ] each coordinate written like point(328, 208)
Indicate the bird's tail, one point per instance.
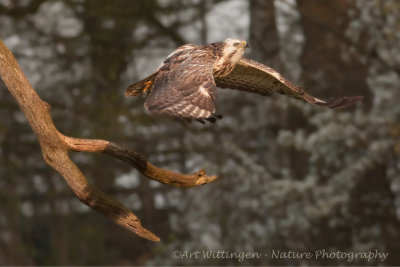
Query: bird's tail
point(141, 86)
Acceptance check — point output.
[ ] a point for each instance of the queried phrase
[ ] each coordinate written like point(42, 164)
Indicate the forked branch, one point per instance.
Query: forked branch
point(55, 147)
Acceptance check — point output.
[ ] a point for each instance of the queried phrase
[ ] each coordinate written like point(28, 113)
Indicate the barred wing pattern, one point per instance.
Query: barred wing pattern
point(184, 86)
point(253, 77)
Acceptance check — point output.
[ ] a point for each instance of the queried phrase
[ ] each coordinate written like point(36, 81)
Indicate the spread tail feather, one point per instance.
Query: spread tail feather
point(140, 86)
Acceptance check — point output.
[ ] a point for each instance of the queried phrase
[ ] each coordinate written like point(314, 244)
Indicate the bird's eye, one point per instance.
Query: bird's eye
point(236, 44)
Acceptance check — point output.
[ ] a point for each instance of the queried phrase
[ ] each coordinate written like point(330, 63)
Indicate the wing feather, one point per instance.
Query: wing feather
point(184, 86)
point(139, 87)
point(255, 77)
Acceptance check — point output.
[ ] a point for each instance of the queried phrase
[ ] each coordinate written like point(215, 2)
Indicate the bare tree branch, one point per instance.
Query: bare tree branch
point(138, 161)
point(55, 147)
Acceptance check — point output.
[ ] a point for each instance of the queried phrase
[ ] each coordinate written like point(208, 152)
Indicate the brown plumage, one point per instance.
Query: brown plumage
point(185, 85)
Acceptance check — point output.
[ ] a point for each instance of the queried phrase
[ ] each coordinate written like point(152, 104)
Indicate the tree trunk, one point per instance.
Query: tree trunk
point(329, 64)
point(264, 38)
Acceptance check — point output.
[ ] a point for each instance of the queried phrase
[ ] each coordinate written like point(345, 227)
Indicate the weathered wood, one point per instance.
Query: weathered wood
point(138, 161)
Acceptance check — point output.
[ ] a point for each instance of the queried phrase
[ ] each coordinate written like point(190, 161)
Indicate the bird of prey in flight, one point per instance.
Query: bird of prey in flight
point(185, 84)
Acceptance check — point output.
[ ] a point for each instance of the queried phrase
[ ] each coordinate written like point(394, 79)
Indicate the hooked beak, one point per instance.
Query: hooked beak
point(245, 45)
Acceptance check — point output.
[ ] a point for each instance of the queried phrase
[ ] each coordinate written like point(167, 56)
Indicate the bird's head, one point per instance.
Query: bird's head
point(234, 49)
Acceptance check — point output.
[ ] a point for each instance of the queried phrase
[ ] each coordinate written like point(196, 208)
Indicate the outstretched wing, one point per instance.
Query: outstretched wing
point(146, 84)
point(254, 77)
point(185, 86)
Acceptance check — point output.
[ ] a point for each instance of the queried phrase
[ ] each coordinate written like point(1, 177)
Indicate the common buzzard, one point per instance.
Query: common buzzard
point(185, 85)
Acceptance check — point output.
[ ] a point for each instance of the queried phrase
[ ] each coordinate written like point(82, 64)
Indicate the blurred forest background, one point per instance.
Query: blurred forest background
point(292, 176)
